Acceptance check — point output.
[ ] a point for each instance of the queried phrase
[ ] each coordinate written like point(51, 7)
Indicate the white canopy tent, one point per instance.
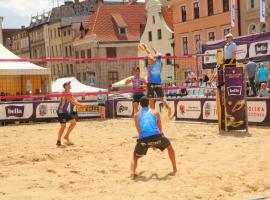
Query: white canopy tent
point(18, 68)
point(122, 82)
point(76, 86)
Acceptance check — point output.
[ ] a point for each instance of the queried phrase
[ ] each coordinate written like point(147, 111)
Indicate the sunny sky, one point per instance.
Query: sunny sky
point(18, 12)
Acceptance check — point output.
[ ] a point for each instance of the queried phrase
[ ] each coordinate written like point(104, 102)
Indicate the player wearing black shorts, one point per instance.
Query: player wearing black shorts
point(138, 83)
point(65, 116)
point(148, 124)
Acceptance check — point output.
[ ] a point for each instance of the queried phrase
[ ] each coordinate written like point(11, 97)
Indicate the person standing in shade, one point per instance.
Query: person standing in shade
point(229, 52)
point(65, 116)
point(262, 74)
point(251, 69)
point(138, 83)
point(101, 100)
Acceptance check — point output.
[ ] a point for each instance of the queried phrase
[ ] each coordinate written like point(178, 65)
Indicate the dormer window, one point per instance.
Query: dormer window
point(122, 31)
point(120, 24)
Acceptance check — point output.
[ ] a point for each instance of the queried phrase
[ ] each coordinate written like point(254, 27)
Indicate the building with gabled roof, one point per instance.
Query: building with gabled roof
point(159, 34)
point(112, 31)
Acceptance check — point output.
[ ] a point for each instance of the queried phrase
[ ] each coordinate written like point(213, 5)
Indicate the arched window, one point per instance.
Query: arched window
point(252, 29)
point(263, 28)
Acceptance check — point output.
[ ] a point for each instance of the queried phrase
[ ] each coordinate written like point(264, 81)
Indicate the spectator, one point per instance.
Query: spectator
point(262, 74)
point(251, 69)
point(183, 92)
point(191, 77)
point(171, 93)
point(248, 88)
point(264, 91)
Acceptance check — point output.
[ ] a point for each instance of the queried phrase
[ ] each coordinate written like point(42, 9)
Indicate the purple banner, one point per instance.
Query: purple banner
point(235, 99)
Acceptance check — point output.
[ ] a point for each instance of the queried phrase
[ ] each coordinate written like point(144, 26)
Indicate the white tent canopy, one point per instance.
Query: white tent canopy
point(122, 83)
point(76, 86)
point(18, 68)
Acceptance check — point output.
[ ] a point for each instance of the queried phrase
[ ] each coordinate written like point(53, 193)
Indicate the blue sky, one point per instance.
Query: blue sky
point(18, 12)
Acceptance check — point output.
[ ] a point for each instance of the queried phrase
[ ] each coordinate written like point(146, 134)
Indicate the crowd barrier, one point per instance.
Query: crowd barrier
point(203, 109)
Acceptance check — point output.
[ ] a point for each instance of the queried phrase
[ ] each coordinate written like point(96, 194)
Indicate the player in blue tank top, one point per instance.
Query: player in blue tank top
point(65, 115)
point(149, 127)
point(154, 86)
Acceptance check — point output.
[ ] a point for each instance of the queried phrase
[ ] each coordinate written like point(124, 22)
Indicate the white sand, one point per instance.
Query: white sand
point(210, 166)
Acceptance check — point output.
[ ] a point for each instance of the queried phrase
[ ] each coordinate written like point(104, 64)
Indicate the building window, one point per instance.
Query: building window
point(252, 4)
point(111, 52)
point(263, 28)
point(210, 7)
point(84, 76)
point(122, 31)
point(77, 56)
point(150, 36)
point(66, 51)
point(197, 39)
point(82, 55)
point(65, 33)
point(70, 50)
point(68, 32)
point(154, 20)
point(89, 54)
point(71, 69)
point(196, 10)
point(168, 60)
point(252, 29)
point(184, 13)
point(211, 36)
point(159, 33)
point(112, 77)
point(226, 5)
point(185, 45)
point(226, 31)
point(67, 69)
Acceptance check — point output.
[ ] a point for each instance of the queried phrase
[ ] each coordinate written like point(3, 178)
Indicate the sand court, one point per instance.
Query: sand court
point(210, 166)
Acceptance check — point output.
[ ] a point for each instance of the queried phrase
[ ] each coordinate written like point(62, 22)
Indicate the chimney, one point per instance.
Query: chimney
point(22, 27)
point(1, 30)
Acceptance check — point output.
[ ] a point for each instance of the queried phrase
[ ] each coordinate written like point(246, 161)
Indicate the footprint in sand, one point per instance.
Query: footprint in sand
point(51, 171)
point(75, 172)
point(102, 171)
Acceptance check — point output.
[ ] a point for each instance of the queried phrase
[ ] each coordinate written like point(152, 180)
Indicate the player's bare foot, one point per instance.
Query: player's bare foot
point(133, 176)
point(173, 173)
point(68, 142)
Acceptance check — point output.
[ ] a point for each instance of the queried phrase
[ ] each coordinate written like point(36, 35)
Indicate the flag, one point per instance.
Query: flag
point(262, 10)
point(233, 13)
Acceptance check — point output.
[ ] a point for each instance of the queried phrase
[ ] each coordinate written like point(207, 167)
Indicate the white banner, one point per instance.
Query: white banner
point(46, 110)
point(16, 111)
point(258, 49)
point(262, 10)
point(159, 107)
point(232, 13)
point(124, 108)
point(210, 111)
point(257, 111)
point(189, 109)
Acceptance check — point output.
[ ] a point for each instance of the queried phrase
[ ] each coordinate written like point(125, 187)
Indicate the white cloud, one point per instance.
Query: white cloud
point(25, 8)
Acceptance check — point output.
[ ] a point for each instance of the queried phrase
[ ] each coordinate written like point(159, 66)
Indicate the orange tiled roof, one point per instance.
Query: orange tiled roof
point(103, 24)
point(168, 16)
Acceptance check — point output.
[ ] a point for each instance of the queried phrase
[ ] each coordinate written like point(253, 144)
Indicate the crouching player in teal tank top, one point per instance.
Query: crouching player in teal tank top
point(148, 125)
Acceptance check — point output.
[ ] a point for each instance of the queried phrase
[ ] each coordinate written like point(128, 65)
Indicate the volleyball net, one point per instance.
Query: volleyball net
point(44, 78)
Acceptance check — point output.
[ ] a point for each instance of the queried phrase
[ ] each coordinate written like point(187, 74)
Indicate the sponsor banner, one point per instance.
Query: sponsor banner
point(258, 49)
point(262, 10)
point(159, 107)
point(16, 111)
point(257, 111)
point(232, 13)
point(210, 111)
point(46, 110)
point(188, 109)
point(92, 110)
point(235, 103)
point(124, 108)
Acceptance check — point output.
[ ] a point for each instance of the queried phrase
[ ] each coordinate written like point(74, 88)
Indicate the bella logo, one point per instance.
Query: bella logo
point(122, 108)
point(261, 48)
point(14, 111)
point(234, 90)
